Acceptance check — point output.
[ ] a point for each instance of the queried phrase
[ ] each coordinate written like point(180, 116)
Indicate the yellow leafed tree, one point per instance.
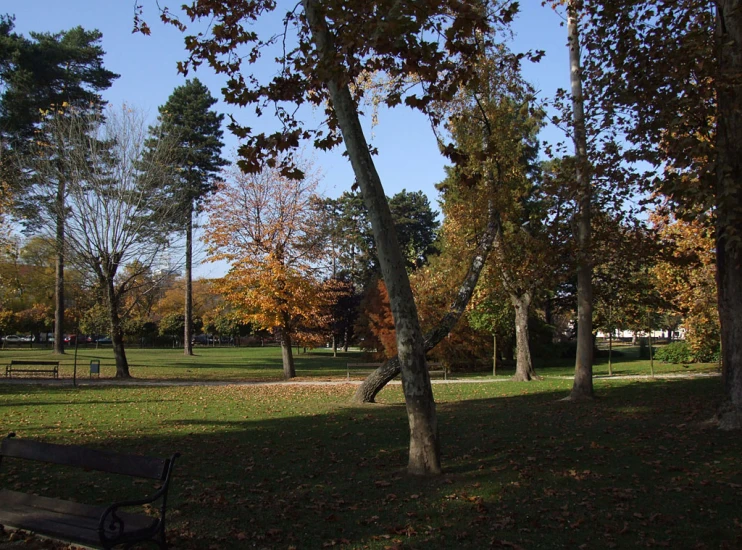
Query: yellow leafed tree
point(687, 280)
point(265, 225)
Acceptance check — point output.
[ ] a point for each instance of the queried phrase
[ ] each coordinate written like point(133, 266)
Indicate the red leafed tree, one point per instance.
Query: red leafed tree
point(375, 324)
point(263, 225)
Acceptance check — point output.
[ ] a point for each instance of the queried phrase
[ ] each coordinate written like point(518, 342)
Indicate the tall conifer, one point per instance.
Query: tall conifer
point(188, 118)
point(45, 72)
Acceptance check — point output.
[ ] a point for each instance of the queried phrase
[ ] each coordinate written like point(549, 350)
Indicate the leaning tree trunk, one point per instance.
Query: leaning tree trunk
point(188, 314)
point(59, 272)
point(287, 354)
point(729, 207)
point(583, 382)
point(424, 451)
point(117, 332)
point(523, 366)
point(375, 382)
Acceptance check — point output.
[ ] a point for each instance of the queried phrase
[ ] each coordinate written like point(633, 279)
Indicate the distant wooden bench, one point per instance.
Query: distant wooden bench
point(90, 525)
point(433, 368)
point(52, 367)
point(438, 368)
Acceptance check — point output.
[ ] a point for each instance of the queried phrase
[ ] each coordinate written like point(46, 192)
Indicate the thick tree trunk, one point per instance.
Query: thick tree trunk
point(523, 366)
point(494, 354)
point(651, 357)
point(375, 382)
point(289, 371)
point(117, 332)
point(583, 382)
point(729, 207)
point(59, 272)
point(424, 452)
point(188, 314)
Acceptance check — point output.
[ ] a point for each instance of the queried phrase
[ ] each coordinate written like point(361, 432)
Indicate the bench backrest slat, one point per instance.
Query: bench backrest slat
point(69, 455)
point(45, 363)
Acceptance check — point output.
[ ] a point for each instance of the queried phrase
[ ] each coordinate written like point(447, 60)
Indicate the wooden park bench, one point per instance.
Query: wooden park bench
point(438, 368)
point(433, 368)
point(89, 525)
point(39, 367)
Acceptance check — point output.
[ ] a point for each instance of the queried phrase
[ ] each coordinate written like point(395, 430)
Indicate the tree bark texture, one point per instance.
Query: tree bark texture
point(188, 314)
point(494, 354)
point(117, 332)
point(59, 272)
point(583, 382)
point(729, 207)
point(424, 451)
point(375, 382)
point(523, 366)
point(287, 355)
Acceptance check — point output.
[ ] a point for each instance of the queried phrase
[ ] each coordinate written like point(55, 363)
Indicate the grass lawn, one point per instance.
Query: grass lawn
point(296, 467)
point(233, 364)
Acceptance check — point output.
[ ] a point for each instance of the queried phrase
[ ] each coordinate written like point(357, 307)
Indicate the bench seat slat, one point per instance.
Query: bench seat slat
point(43, 363)
point(70, 455)
point(63, 519)
point(53, 371)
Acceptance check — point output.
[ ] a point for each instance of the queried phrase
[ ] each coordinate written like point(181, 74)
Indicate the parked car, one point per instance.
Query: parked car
point(105, 340)
point(18, 339)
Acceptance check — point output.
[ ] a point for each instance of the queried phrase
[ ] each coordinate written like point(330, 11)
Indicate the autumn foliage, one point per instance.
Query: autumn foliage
point(263, 224)
point(687, 279)
point(375, 324)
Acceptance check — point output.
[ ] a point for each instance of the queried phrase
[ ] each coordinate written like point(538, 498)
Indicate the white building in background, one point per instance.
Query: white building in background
point(678, 334)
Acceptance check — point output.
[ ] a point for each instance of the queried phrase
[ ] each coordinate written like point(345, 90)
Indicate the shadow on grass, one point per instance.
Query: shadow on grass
point(637, 467)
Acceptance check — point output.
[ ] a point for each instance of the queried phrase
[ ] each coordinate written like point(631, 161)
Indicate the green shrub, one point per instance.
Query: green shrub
point(680, 352)
point(675, 353)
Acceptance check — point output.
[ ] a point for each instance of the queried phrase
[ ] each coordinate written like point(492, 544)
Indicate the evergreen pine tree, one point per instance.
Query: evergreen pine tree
point(187, 116)
point(46, 71)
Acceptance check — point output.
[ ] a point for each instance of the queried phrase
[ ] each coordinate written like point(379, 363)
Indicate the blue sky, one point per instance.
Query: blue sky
point(408, 154)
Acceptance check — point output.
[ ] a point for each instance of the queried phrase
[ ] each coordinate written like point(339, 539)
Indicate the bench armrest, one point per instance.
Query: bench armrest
point(111, 526)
